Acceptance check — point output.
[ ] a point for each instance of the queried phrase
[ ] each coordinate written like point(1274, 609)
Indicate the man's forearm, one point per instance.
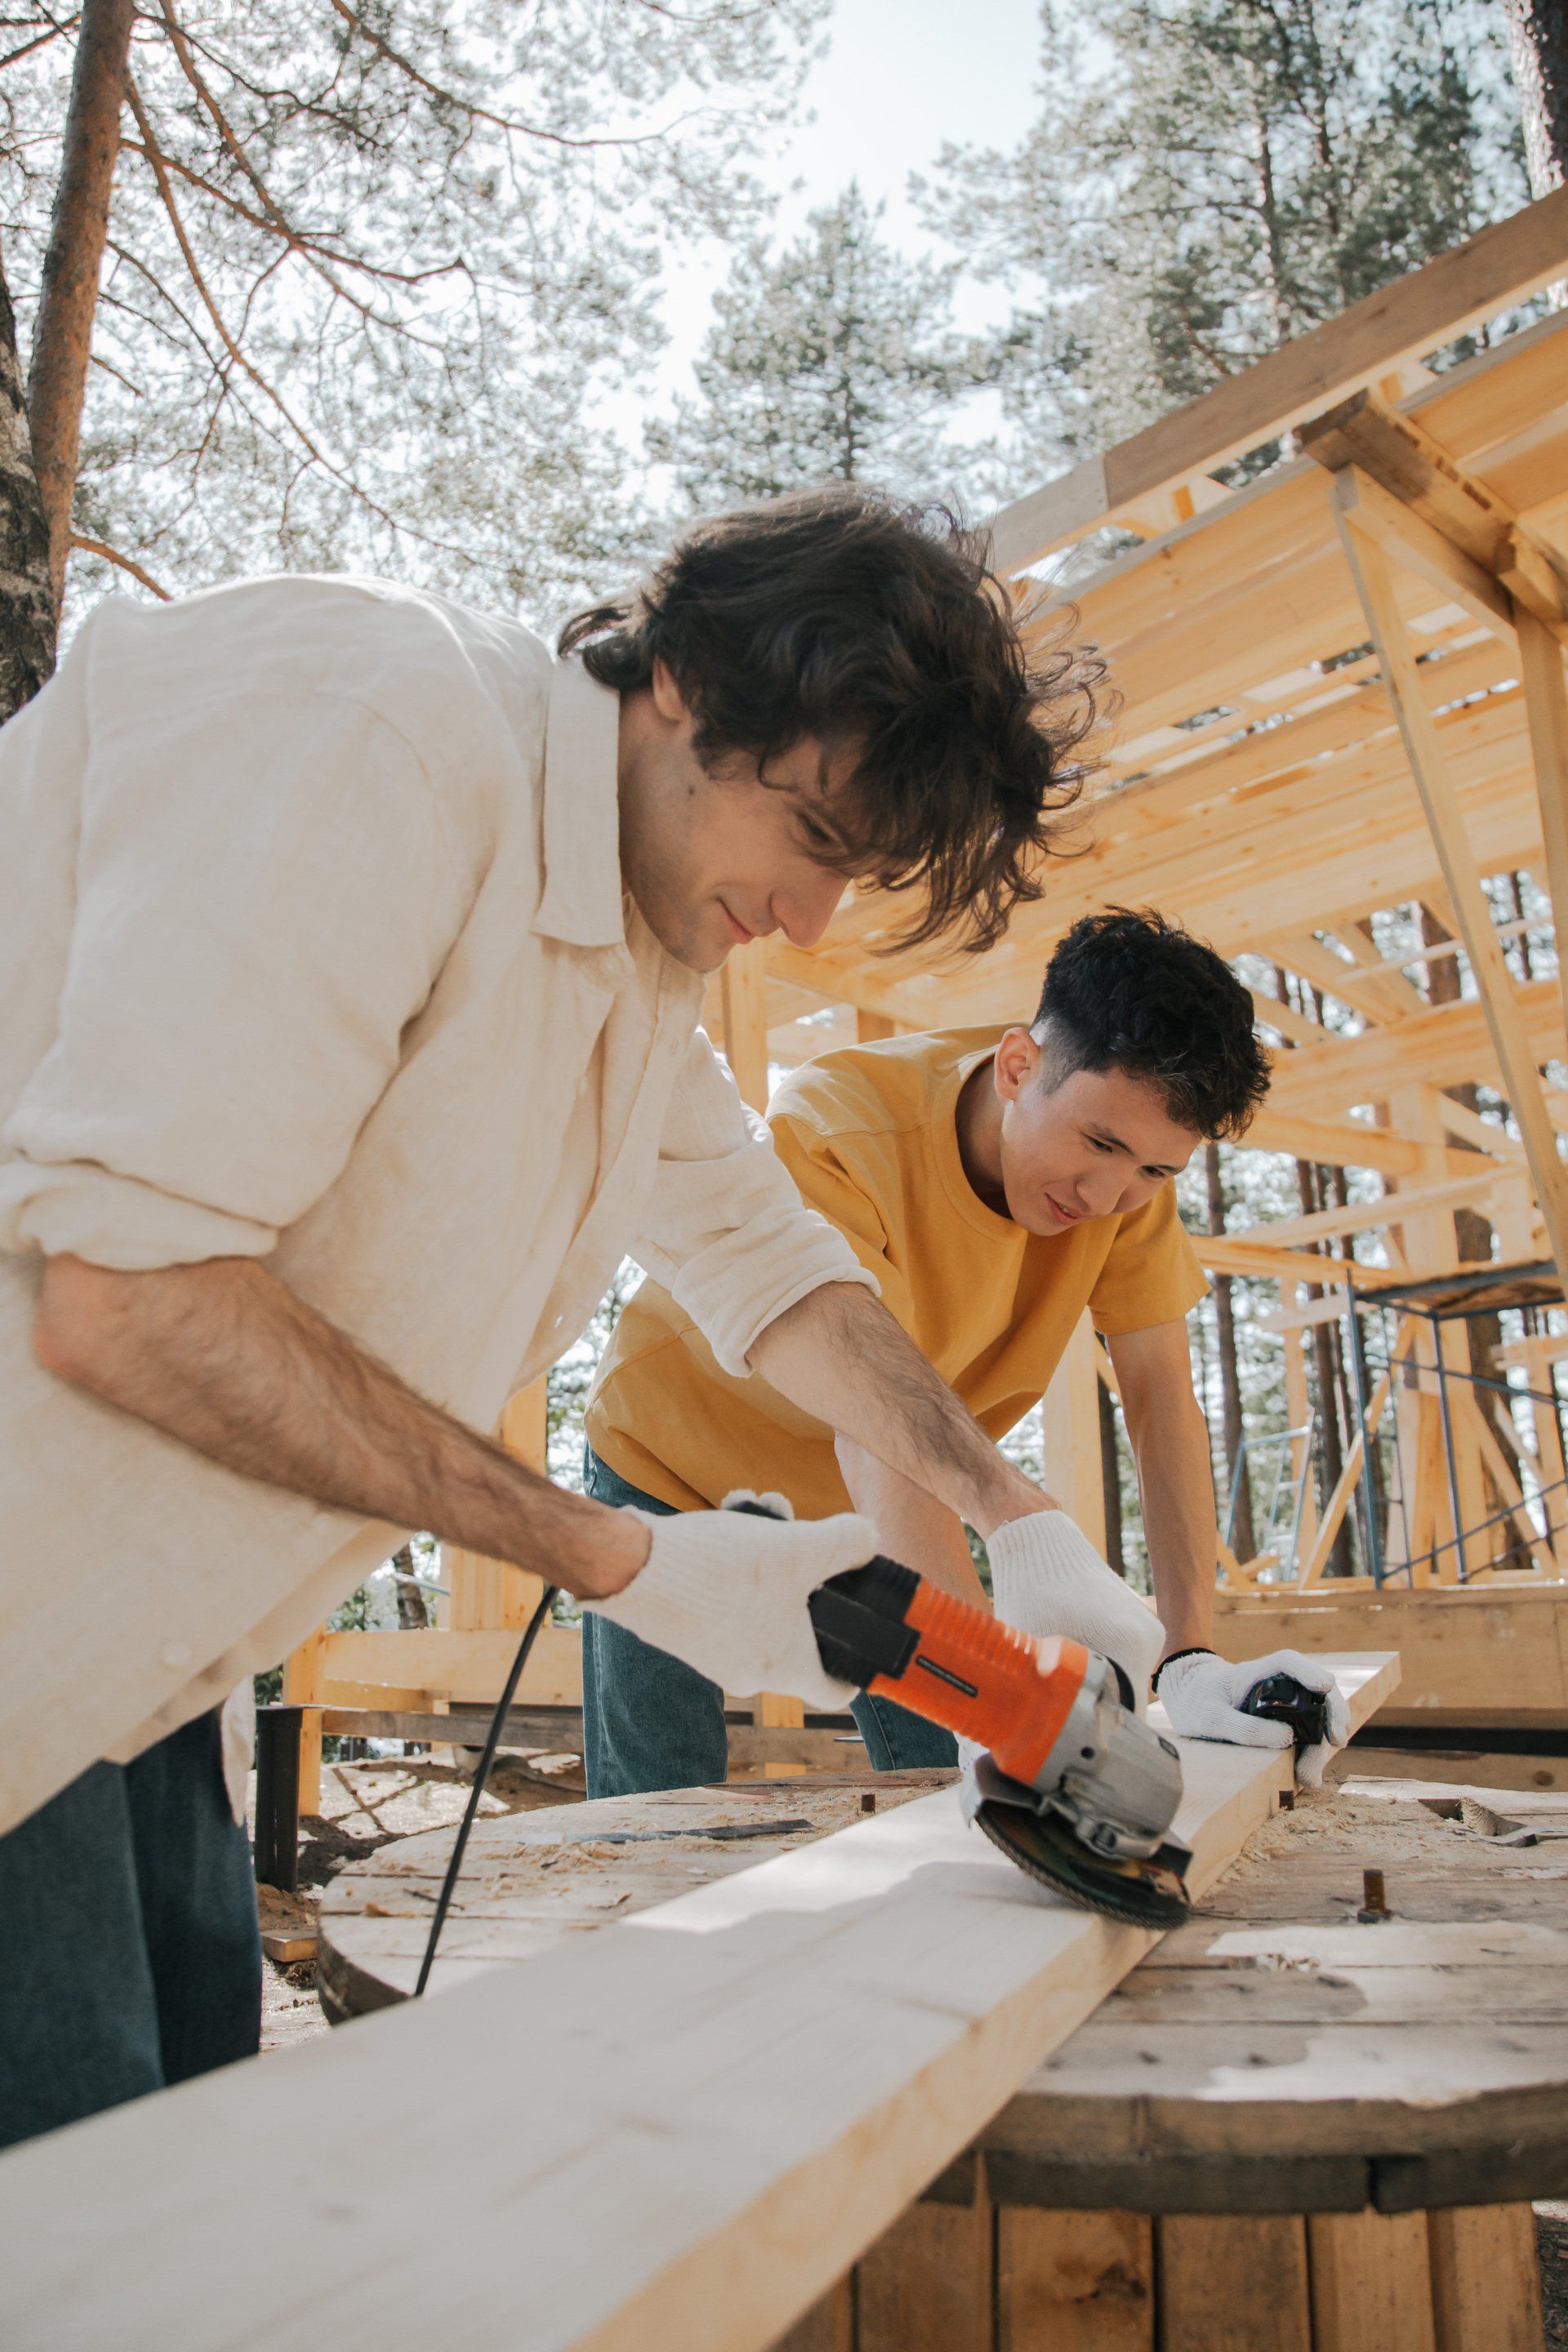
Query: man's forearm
point(1176, 1487)
point(914, 1528)
point(226, 1360)
point(839, 1355)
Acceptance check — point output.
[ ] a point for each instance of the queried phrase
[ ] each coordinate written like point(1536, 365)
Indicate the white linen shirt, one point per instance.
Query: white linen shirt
point(313, 949)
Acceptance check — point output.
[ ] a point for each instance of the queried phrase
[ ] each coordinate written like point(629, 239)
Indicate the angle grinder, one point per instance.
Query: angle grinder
point(1074, 1786)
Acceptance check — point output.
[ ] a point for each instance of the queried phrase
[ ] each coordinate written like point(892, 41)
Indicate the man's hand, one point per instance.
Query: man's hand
point(1202, 1695)
point(224, 1358)
point(1047, 1578)
point(839, 1355)
point(727, 1592)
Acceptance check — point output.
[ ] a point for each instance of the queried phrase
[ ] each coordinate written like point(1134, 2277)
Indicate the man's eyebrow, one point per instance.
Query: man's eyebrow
point(1109, 1135)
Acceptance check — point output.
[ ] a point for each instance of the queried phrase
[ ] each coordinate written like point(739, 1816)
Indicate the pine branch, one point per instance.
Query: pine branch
point(124, 562)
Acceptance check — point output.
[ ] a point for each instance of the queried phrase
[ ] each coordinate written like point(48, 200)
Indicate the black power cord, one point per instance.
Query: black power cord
point(482, 1774)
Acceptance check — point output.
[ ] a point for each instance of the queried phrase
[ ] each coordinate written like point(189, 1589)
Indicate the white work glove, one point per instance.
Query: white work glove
point(1047, 1578)
point(1202, 1695)
point(726, 1591)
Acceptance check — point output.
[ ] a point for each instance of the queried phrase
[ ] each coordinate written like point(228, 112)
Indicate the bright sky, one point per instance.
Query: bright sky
point(898, 78)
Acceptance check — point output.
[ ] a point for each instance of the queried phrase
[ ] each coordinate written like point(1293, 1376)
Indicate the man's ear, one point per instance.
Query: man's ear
point(1017, 1064)
point(667, 698)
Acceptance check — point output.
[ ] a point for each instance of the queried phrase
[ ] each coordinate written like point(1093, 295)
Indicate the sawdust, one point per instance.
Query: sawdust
point(1392, 1827)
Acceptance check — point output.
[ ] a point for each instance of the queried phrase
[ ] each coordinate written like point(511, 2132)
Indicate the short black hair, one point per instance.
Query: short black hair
point(842, 616)
point(1128, 990)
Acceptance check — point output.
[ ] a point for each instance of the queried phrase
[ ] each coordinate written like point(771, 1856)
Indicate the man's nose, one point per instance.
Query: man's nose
point(805, 911)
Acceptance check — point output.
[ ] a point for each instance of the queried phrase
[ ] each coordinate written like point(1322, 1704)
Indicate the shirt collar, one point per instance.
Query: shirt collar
point(581, 904)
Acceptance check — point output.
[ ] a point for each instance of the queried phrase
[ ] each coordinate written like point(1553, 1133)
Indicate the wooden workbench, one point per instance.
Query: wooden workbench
point(1286, 2128)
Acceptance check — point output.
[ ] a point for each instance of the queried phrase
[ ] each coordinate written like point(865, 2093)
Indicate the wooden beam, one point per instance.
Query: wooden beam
point(1399, 453)
point(1401, 321)
point(1366, 1216)
point(1546, 713)
point(676, 2131)
point(1260, 1262)
point(1348, 1143)
point(1368, 567)
point(1425, 549)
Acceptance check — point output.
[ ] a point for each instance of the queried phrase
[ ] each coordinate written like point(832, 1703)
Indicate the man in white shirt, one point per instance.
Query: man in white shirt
point(353, 952)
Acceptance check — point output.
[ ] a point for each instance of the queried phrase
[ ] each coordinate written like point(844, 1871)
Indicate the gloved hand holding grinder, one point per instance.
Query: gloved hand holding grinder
point(726, 1591)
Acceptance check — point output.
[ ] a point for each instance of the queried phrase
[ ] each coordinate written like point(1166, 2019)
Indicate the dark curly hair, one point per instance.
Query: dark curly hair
point(840, 616)
point(1128, 990)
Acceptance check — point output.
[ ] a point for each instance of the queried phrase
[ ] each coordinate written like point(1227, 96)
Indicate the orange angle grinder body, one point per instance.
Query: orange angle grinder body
point(1073, 1785)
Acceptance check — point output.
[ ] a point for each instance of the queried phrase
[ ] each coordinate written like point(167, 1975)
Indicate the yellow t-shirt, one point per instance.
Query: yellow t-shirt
point(871, 1136)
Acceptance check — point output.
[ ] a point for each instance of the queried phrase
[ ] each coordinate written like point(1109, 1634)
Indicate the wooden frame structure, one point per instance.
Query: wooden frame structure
point(1343, 692)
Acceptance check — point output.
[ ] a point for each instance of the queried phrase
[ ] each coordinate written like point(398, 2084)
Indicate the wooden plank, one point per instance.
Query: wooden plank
point(1401, 321)
point(754, 2080)
point(1486, 2279)
point(460, 1665)
point(1074, 2282)
point(1366, 1216)
point(1371, 2290)
point(1522, 1085)
point(1233, 2283)
point(928, 2283)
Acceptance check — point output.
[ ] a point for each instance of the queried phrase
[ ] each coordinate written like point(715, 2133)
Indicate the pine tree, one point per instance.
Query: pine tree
point(1209, 178)
point(832, 361)
point(368, 272)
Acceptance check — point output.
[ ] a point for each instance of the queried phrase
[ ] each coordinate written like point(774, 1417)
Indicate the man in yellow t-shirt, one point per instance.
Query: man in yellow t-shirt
point(998, 1183)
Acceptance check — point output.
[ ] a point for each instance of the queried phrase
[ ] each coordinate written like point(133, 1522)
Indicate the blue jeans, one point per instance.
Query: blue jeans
point(130, 1956)
point(650, 1722)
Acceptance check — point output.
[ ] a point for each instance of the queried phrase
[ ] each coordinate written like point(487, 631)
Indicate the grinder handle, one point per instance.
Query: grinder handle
point(1280, 1698)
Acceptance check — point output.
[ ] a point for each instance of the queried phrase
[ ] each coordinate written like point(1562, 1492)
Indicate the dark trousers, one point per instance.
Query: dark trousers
point(649, 1721)
point(128, 1951)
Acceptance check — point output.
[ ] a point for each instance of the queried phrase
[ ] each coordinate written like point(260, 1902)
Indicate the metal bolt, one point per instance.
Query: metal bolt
point(1287, 1800)
point(868, 1801)
point(1374, 1908)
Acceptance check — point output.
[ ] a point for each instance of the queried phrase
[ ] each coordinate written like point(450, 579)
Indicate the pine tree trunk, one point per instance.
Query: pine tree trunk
point(26, 599)
point(1243, 1541)
point(62, 345)
point(1330, 1443)
point(1538, 35)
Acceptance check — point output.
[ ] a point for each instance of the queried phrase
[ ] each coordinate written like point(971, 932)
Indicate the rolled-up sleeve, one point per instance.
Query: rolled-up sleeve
point(725, 1229)
point(265, 894)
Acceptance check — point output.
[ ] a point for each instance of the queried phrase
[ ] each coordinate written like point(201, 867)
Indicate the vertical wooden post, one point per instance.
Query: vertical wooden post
point(1070, 1423)
point(1546, 714)
point(1296, 1411)
point(743, 994)
point(302, 1686)
point(488, 1596)
point(1510, 1042)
